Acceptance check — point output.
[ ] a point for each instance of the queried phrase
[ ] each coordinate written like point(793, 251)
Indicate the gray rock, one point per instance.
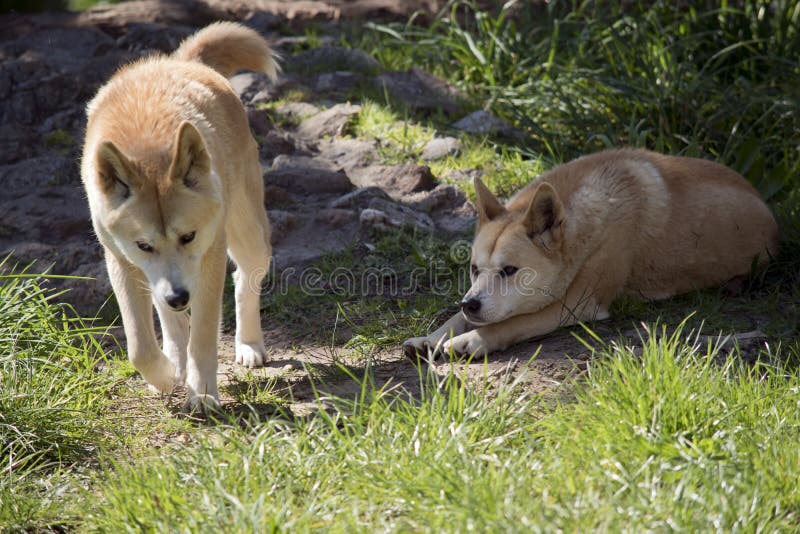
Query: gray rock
point(358, 198)
point(420, 90)
point(147, 36)
point(483, 123)
point(441, 147)
point(339, 81)
point(383, 214)
point(259, 122)
point(397, 180)
point(448, 207)
point(276, 142)
point(281, 223)
point(347, 154)
point(331, 122)
point(332, 59)
point(306, 175)
point(249, 84)
point(297, 110)
point(335, 217)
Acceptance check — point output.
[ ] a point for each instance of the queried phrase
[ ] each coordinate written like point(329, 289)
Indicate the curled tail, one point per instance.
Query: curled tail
point(228, 47)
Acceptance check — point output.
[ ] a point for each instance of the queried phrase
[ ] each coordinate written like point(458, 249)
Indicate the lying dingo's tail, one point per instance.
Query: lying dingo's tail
point(228, 47)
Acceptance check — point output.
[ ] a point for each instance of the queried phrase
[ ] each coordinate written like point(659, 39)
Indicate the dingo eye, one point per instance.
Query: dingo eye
point(473, 269)
point(187, 238)
point(146, 247)
point(508, 270)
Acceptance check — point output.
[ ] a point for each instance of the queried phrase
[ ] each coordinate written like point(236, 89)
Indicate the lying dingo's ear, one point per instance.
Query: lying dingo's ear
point(115, 172)
point(486, 203)
point(544, 216)
point(191, 163)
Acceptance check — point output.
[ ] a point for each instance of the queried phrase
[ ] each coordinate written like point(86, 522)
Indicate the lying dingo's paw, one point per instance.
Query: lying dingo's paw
point(468, 344)
point(416, 347)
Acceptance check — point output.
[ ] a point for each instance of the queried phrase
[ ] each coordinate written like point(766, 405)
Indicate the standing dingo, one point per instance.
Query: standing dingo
point(173, 180)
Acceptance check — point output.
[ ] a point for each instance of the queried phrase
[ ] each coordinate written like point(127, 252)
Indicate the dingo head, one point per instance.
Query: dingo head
point(517, 257)
point(162, 211)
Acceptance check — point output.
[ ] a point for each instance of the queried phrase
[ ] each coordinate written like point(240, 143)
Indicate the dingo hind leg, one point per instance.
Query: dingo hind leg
point(249, 247)
point(133, 296)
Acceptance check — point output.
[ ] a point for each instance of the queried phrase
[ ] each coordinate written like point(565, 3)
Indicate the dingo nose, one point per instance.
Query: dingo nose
point(472, 305)
point(178, 299)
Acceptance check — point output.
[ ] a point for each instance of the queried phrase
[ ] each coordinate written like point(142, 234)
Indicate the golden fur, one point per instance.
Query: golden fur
point(613, 223)
point(173, 180)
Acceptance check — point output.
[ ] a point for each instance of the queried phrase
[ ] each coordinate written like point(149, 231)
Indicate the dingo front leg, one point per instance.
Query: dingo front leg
point(201, 365)
point(499, 336)
point(133, 296)
point(175, 335)
point(431, 344)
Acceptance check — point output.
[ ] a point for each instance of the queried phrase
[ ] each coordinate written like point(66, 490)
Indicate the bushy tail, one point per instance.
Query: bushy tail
point(228, 47)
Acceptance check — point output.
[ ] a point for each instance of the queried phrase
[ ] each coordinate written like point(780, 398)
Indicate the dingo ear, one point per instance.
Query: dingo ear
point(115, 171)
point(544, 216)
point(486, 203)
point(191, 163)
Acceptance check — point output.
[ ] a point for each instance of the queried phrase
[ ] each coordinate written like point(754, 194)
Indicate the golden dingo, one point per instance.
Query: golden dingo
point(173, 180)
point(614, 223)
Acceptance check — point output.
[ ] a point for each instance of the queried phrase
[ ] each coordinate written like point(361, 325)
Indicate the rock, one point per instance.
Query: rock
point(330, 122)
point(448, 206)
point(332, 59)
point(359, 197)
point(275, 143)
point(37, 173)
point(281, 223)
point(340, 81)
point(148, 36)
point(262, 21)
point(306, 175)
point(259, 122)
point(347, 154)
point(383, 214)
point(420, 90)
point(441, 147)
point(335, 217)
point(483, 123)
point(249, 84)
point(276, 196)
point(63, 49)
point(397, 180)
point(297, 110)
point(462, 175)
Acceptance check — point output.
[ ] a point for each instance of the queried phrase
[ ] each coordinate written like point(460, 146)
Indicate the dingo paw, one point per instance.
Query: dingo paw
point(415, 347)
point(251, 354)
point(468, 344)
point(158, 372)
point(202, 404)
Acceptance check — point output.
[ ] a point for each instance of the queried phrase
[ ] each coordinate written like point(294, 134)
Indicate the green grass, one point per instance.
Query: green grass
point(672, 439)
point(372, 298)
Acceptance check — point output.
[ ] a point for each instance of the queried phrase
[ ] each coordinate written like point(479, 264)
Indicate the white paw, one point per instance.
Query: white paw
point(468, 344)
point(203, 404)
point(415, 347)
point(251, 354)
point(159, 373)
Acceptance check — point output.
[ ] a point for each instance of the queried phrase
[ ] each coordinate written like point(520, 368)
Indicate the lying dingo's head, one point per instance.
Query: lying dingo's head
point(161, 211)
point(517, 257)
